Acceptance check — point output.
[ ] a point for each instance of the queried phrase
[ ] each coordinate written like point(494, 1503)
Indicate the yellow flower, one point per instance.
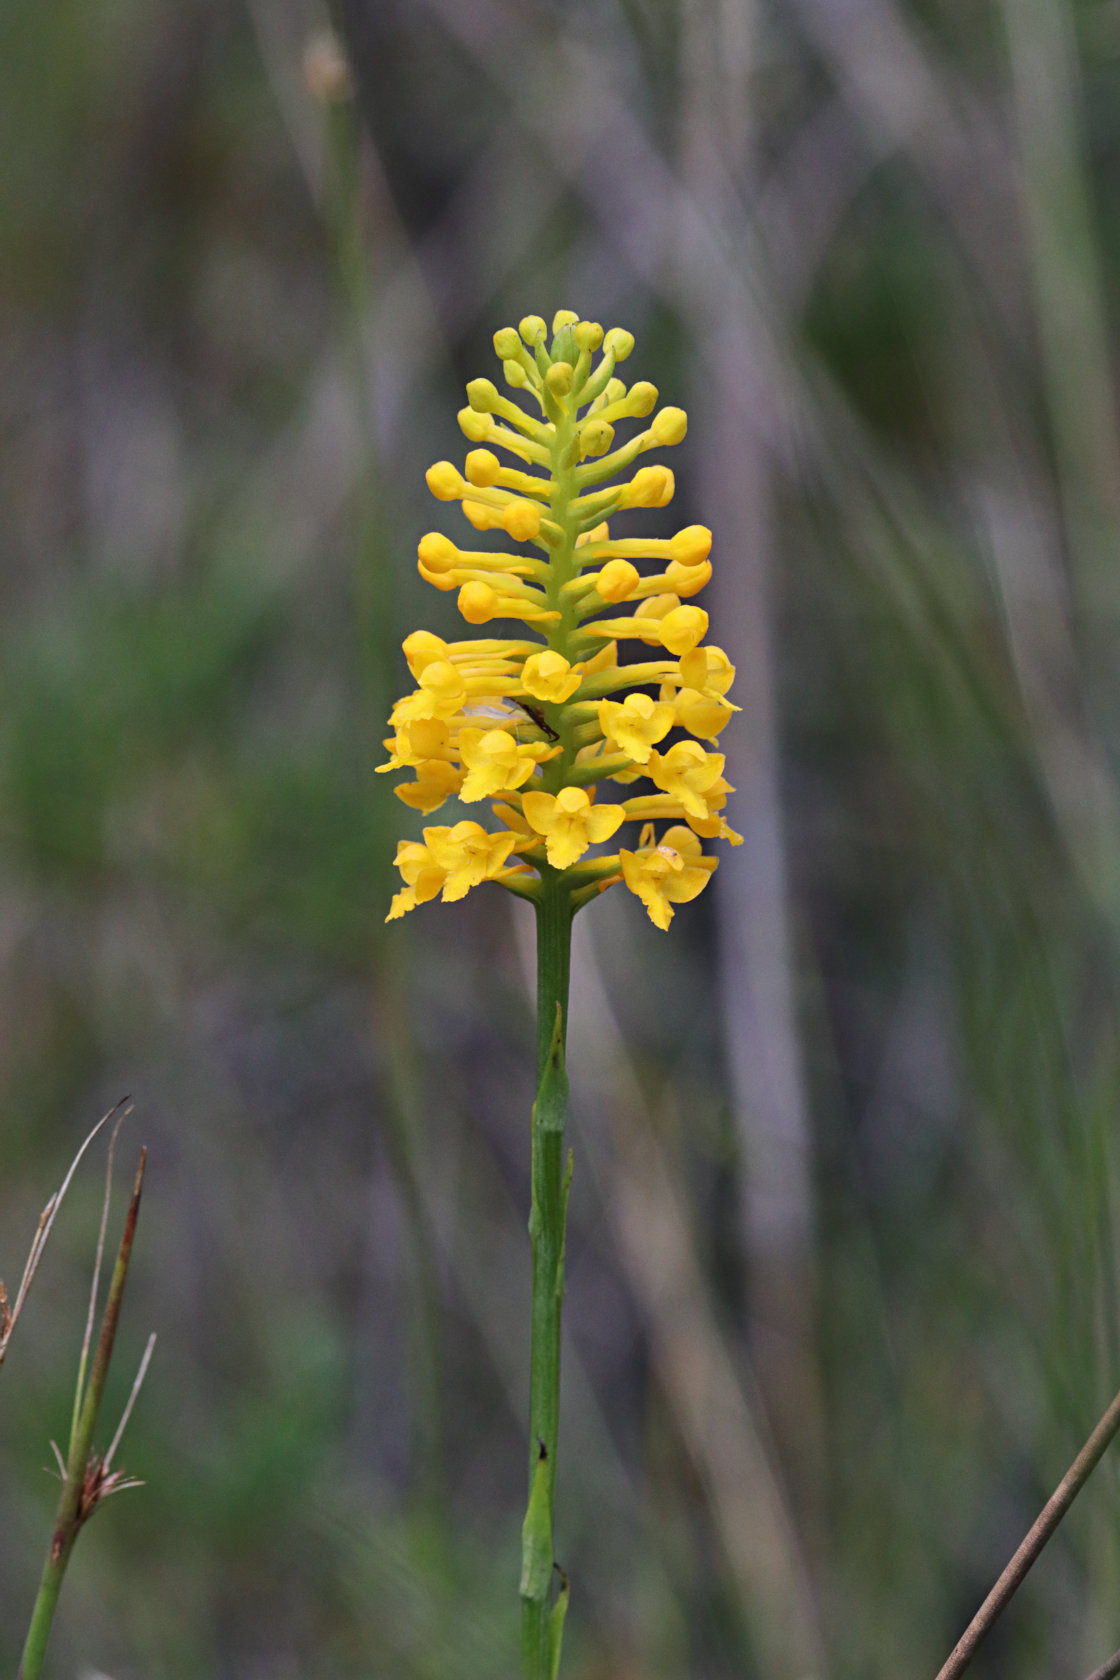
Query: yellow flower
point(533, 720)
point(570, 822)
point(703, 715)
point(690, 774)
point(436, 780)
point(496, 762)
point(440, 694)
point(415, 742)
point(636, 725)
point(672, 873)
point(549, 676)
point(451, 861)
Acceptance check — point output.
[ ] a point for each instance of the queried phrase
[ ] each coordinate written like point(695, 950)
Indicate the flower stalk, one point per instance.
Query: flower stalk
point(551, 1179)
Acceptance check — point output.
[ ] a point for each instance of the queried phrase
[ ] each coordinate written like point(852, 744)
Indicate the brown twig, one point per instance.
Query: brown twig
point(1108, 1670)
point(1040, 1532)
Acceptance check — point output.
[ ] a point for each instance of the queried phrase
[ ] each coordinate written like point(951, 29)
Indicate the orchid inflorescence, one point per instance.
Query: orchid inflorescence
point(535, 724)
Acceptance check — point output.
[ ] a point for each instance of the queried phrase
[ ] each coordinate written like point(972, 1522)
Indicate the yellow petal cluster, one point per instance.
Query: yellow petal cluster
point(534, 723)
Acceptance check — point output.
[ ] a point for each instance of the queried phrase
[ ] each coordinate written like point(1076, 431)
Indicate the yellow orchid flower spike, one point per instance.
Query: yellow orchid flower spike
point(532, 723)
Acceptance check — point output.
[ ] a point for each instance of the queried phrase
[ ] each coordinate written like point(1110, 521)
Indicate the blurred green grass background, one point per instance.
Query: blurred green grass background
point(842, 1274)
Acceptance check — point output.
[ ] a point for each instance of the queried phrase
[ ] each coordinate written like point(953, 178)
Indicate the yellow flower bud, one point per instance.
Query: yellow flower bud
point(515, 375)
point(595, 438)
point(618, 580)
point(642, 399)
point(421, 648)
point(478, 603)
point(522, 519)
point(682, 628)
point(482, 394)
point(619, 342)
point(507, 343)
point(476, 428)
point(588, 335)
point(559, 379)
point(483, 468)
point(691, 546)
point(533, 330)
point(437, 553)
point(563, 318)
point(444, 481)
point(649, 487)
point(687, 580)
point(669, 426)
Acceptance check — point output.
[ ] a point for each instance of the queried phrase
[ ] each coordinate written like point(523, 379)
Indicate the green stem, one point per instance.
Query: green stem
point(71, 1514)
point(551, 1176)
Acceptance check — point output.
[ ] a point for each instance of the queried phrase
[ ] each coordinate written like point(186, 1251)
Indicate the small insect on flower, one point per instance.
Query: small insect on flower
point(536, 716)
point(547, 476)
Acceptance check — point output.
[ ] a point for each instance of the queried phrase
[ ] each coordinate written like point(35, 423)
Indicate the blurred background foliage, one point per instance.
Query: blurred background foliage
point(842, 1273)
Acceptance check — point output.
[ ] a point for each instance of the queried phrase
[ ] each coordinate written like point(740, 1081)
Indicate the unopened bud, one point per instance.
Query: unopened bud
point(595, 438)
point(559, 379)
point(669, 426)
point(483, 468)
point(478, 603)
point(476, 428)
point(444, 481)
point(482, 394)
point(691, 546)
point(437, 553)
point(522, 519)
point(642, 399)
point(618, 580)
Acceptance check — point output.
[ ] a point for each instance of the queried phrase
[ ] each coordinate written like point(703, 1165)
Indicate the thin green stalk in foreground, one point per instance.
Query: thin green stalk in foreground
point(542, 1627)
point(88, 1479)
